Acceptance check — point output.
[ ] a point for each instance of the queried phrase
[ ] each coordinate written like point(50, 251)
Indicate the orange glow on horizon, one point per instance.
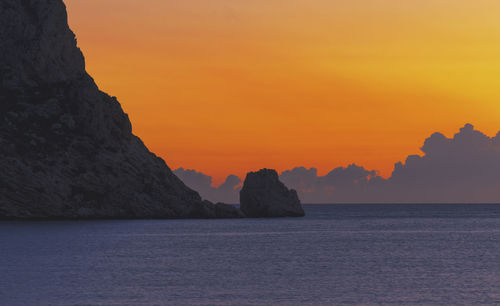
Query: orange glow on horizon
point(229, 86)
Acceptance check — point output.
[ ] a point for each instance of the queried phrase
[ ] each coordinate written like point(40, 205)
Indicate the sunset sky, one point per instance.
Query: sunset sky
point(230, 86)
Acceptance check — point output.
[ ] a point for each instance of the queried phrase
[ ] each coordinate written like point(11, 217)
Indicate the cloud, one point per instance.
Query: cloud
point(461, 169)
point(350, 184)
point(228, 192)
point(465, 168)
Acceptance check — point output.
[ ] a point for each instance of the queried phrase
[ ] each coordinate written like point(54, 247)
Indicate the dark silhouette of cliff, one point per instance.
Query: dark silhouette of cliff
point(264, 196)
point(66, 148)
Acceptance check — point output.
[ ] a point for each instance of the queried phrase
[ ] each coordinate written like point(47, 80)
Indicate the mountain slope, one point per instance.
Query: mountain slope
point(66, 148)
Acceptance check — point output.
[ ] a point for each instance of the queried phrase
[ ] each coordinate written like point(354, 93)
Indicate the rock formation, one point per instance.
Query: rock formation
point(263, 195)
point(66, 148)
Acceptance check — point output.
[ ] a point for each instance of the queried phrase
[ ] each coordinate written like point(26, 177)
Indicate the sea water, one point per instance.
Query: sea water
point(337, 254)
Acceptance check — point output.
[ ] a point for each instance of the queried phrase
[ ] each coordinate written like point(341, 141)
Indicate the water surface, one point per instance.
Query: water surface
point(338, 254)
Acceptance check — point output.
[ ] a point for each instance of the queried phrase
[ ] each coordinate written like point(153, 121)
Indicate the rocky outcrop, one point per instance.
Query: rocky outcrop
point(263, 195)
point(66, 148)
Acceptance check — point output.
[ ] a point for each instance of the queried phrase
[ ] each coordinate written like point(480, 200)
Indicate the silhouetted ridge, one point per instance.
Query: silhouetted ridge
point(66, 148)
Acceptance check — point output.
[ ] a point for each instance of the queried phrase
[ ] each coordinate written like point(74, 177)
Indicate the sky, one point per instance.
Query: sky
point(230, 86)
point(464, 168)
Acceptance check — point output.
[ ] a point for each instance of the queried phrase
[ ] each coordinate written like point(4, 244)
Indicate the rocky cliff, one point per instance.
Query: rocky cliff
point(264, 196)
point(66, 148)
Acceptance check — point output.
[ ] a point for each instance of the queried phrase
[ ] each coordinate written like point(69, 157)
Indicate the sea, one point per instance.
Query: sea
point(336, 255)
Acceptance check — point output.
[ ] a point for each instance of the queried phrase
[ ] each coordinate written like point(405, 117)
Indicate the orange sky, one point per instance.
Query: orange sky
point(227, 86)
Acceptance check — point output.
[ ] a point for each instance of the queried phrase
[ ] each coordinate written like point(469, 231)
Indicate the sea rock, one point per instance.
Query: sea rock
point(228, 210)
point(263, 195)
point(66, 148)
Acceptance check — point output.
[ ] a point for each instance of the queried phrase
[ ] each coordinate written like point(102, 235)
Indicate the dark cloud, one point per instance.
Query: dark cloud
point(228, 192)
point(461, 169)
point(465, 168)
point(352, 184)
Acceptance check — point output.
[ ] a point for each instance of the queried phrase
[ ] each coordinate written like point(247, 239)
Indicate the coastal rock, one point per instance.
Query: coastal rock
point(66, 148)
point(263, 195)
point(229, 211)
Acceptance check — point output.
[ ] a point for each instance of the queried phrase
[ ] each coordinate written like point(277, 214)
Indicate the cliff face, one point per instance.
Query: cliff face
point(66, 148)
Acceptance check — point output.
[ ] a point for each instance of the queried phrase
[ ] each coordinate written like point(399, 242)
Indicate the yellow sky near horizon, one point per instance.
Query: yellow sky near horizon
point(229, 86)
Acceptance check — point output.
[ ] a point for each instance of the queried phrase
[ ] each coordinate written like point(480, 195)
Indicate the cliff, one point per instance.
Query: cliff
point(66, 148)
